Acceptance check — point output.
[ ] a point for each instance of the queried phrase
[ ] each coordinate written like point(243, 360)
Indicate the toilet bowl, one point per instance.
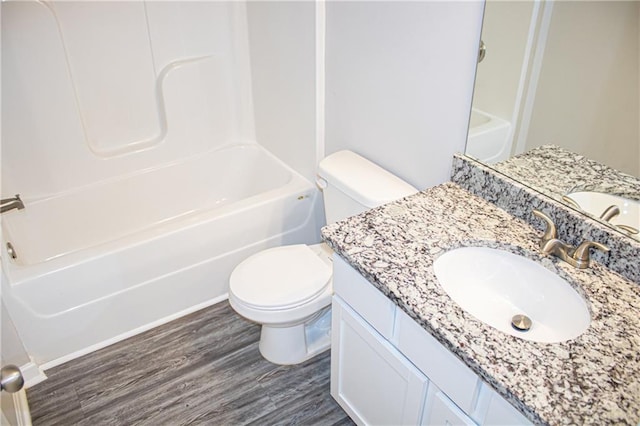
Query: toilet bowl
point(288, 290)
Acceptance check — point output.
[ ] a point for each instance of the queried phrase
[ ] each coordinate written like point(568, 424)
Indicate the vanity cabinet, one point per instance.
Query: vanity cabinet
point(440, 410)
point(386, 369)
point(372, 381)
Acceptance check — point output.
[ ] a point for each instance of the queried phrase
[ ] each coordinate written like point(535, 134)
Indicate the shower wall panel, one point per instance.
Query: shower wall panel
point(110, 59)
point(282, 41)
point(94, 91)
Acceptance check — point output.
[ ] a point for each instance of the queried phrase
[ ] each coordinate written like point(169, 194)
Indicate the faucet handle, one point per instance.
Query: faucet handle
point(581, 253)
point(551, 231)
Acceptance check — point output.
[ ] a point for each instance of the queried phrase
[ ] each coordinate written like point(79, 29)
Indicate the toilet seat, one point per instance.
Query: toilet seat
point(280, 278)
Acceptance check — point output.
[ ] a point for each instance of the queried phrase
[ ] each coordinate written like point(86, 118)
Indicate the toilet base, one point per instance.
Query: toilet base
point(297, 343)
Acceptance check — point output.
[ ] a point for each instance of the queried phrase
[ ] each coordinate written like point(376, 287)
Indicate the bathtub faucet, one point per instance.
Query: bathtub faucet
point(7, 204)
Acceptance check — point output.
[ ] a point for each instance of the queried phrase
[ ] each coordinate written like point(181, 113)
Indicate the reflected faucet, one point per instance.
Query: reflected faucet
point(7, 204)
point(577, 257)
point(613, 211)
point(610, 212)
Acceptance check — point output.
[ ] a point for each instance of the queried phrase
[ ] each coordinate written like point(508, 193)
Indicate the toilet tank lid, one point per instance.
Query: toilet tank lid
point(362, 180)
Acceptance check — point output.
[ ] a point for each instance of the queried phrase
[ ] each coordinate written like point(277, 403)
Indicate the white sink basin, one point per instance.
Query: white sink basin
point(595, 203)
point(495, 285)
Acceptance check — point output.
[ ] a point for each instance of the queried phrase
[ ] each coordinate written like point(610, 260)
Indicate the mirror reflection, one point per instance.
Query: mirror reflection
point(564, 74)
point(581, 183)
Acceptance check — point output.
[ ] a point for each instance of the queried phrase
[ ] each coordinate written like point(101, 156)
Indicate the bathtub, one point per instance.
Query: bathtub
point(102, 263)
point(488, 139)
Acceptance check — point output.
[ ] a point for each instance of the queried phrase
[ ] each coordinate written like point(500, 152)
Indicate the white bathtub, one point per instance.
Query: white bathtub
point(488, 139)
point(102, 263)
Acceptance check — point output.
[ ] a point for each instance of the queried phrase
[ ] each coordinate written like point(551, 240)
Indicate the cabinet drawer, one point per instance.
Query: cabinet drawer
point(363, 297)
point(442, 368)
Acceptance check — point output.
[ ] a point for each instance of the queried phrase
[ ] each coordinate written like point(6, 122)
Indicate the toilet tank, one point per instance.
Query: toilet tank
point(352, 184)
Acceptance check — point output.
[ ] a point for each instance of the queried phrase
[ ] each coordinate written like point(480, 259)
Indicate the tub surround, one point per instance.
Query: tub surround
point(594, 378)
point(573, 226)
point(488, 137)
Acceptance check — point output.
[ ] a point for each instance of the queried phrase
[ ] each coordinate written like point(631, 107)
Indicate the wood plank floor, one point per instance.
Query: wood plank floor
point(204, 368)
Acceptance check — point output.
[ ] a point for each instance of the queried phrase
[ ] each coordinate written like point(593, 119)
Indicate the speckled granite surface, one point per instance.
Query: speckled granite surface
point(556, 171)
point(573, 227)
point(593, 379)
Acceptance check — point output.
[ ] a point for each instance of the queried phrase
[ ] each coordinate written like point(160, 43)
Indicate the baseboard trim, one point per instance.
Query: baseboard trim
point(32, 374)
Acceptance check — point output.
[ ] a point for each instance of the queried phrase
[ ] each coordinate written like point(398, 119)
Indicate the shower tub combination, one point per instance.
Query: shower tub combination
point(488, 138)
point(107, 261)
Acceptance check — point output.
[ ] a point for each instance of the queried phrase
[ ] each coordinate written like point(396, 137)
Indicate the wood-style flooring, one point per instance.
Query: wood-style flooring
point(204, 368)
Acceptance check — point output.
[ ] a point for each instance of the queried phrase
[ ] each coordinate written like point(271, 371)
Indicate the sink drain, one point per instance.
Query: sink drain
point(521, 322)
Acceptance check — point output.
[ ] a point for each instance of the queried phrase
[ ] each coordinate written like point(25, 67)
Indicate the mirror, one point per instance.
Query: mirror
point(563, 74)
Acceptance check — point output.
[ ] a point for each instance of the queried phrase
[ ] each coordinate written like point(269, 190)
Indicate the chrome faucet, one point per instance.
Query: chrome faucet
point(575, 256)
point(7, 204)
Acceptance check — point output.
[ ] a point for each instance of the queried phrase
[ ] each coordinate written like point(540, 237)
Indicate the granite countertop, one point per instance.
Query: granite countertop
point(566, 172)
point(594, 378)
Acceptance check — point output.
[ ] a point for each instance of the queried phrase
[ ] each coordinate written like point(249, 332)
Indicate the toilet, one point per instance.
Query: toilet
point(288, 289)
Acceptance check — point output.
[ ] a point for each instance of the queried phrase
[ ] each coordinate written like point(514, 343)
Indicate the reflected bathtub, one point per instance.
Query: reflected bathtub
point(105, 262)
point(488, 138)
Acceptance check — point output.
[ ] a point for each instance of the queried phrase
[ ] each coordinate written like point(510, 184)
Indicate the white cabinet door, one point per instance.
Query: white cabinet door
point(439, 410)
point(370, 304)
point(370, 379)
point(493, 409)
point(441, 366)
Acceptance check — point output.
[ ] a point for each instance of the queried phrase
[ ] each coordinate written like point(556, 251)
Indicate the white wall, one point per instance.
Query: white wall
point(282, 47)
point(94, 90)
point(588, 94)
point(399, 80)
